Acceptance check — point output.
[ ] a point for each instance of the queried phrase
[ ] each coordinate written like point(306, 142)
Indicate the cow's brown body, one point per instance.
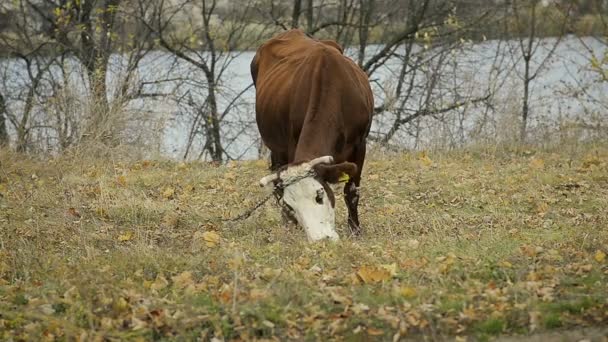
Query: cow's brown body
point(312, 101)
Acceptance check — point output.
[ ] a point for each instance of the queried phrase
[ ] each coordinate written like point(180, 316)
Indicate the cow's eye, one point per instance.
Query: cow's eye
point(319, 197)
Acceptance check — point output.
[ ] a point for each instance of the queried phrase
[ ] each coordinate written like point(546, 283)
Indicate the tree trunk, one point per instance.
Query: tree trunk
point(525, 101)
point(366, 7)
point(309, 16)
point(214, 133)
point(22, 129)
point(3, 130)
point(295, 16)
point(95, 55)
point(527, 52)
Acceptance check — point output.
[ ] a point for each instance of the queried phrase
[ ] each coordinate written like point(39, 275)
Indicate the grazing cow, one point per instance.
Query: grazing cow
point(314, 111)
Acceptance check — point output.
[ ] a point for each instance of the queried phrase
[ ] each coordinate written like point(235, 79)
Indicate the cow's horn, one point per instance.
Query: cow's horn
point(271, 177)
point(322, 160)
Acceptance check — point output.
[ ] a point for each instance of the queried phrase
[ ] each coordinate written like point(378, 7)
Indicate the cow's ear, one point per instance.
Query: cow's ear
point(254, 69)
point(334, 44)
point(337, 172)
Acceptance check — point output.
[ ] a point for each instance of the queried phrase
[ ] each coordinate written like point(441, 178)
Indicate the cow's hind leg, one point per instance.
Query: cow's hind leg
point(351, 192)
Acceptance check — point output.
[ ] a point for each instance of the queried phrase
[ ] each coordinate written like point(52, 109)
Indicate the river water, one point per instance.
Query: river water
point(556, 95)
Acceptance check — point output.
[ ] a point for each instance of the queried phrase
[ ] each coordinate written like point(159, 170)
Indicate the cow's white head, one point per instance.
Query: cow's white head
point(305, 193)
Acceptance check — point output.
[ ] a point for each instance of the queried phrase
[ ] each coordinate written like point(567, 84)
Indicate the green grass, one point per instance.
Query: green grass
point(477, 240)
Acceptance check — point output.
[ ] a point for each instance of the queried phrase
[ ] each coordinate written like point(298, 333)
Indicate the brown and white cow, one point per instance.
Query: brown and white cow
point(314, 111)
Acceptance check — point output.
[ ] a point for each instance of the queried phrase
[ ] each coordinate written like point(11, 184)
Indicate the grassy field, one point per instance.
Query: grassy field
point(466, 245)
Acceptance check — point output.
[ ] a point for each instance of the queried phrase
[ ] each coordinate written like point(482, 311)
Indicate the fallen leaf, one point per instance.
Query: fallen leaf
point(73, 212)
point(542, 209)
point(344, 177)
point(46, 309)
point(120, 305)
point(212, 239)
point(168, 192)
point(183, 280)
point(600, 256)
point(225, 293)
point(505, 264)
point(171, 219)
point(374, 332)
point(371, 274)
point(230, 175)
point(256, 294)
point(413, 244)
point(360, 308)
point(121, 180)
point(446, 262)
point(125, 236)
point(591, 160)
point(268, 324)
point(424, 159)
point(537, 163)
point(407, 292)
point(160, 283)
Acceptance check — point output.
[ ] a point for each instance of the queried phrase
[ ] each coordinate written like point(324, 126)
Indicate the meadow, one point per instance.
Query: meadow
point(466, 245)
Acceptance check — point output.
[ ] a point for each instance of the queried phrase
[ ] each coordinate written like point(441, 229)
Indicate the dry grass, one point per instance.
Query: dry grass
point(470, 243)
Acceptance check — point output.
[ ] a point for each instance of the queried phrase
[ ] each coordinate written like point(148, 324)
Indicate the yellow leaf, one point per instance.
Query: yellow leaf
point(600, 256)
point(371, 274)
point(183, 279)
point(590, 161)
point(537, 163)
point(424, 159)
point(344, 177)
point(374, 332)
point(256, 294)
point(168, 193)
point(121, 180)
point(160, 283)
point(211, 239)
point(542, 209)
point(407, 292)
point(120, 305)
point(125, 236)
point(505, 264)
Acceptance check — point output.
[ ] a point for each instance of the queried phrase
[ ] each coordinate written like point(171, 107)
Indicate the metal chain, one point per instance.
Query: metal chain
point(246, 214)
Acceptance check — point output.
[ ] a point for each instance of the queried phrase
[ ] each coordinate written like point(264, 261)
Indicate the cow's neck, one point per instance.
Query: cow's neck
point(316, 140)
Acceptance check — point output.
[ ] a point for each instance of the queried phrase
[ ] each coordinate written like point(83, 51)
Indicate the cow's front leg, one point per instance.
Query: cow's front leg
point(351, 197)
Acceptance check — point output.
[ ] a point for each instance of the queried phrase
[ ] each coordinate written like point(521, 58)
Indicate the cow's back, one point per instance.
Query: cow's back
point(308, 92)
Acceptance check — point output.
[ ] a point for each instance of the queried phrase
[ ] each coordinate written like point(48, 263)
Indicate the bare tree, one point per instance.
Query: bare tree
point(92, 31)
point(209, 49)
point(525, 13)
point(24, 45)
point(3, 129)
